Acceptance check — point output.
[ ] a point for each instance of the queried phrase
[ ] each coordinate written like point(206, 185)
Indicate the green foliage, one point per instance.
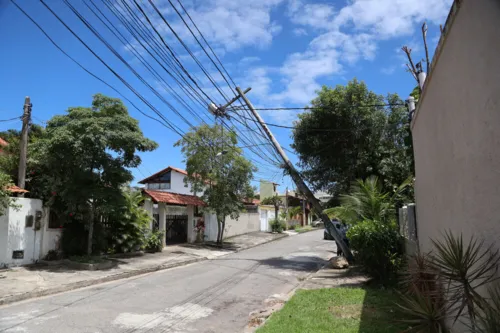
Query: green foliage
point(5, 199)
point(87, 259)
point(9, 159)
point(368, 201)
point(277, 225)
point(154, 241)
point(446, 281)
point(129, 225)
point(83, 158)
point(466, 268)
point(222, 179)
point(372, 141)
point(337, 310)
point(379, 249)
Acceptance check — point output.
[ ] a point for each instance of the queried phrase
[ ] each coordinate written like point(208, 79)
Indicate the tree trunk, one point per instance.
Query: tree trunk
point(276, 210)
point(219, 229)
point(91, 230)
point(223, 225)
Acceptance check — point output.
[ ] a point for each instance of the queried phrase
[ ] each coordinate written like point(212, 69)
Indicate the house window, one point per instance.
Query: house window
point(54, 220)
point(159, 186)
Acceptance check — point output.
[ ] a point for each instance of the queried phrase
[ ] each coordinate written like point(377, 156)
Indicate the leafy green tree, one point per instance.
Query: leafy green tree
point(217, 169)
point(360, 138)
point(5, 199)
point(274, 201)
point(9, 159)
point(368, 201)
point(82, 160)
point(130, 224)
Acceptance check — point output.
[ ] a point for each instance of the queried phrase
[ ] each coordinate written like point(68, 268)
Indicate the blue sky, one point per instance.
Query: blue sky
point(284, 49)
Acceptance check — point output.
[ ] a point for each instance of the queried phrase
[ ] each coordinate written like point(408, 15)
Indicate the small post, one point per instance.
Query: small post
point(21, 181)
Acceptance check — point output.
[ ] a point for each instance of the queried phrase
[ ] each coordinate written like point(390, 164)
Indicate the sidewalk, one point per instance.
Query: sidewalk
point(26, 282)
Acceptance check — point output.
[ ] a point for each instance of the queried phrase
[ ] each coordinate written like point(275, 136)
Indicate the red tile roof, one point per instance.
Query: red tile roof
point(16, 189)
point(3, 142)
point(174, 198)
point(161, 172)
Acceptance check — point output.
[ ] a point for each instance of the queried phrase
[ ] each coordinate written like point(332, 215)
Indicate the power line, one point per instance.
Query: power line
point(5, 120)
point(325, 107)
point(311, 128)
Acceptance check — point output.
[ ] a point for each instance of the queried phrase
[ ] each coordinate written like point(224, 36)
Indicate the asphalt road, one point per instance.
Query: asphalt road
point(212, 296)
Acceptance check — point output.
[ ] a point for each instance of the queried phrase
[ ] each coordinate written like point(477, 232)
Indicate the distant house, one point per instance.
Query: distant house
point(456, 130)
point(177, 209)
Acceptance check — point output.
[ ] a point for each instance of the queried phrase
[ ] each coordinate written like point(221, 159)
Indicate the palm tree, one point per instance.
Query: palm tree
point(367, 201)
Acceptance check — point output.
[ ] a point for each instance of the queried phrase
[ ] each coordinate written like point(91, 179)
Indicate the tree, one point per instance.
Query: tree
point(368, 201)
point(360, 138)
point(274, 201)
point(82, 160)
point(9, 159)
point(129, 224)
point(217, 169)
point(5, 199)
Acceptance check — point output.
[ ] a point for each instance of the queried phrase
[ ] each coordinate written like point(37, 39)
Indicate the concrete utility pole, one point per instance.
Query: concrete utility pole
point(286, 207)
point(301, 185)
point(21, 178)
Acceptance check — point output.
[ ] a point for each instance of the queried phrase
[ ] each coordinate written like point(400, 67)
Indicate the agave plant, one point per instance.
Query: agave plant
point(445, 283)
point(423, 305)
point(465, 268)
point(489, 320)
point(367, 201)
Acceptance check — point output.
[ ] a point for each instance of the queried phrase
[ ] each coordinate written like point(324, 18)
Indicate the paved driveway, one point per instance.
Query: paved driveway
point(211, 296)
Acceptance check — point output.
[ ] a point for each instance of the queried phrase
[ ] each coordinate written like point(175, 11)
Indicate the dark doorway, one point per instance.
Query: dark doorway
point(176, 229)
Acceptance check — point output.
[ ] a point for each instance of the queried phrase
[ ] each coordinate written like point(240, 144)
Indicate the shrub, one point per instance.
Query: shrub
point(379, 249)
point(154, 241)
point(277, 225)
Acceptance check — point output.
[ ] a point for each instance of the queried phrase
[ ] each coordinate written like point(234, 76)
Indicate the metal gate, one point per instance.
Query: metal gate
point(176, 229)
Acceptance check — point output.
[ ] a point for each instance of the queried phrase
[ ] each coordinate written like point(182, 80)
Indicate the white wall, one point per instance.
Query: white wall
point(50, 237)
point(14, 235)
point(177, 184)
point(246, 222)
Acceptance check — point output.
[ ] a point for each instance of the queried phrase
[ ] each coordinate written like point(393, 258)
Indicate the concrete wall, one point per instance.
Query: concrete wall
point(456, 130)
point(14, 235)
point(246, 222)
point(49, 237)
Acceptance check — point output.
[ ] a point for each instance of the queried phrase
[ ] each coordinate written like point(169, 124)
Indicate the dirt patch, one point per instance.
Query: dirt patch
point(352, 311)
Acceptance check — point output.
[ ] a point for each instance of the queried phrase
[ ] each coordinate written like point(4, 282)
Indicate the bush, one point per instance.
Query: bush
point(154, 241)
point(277, 225)
point(379, 249)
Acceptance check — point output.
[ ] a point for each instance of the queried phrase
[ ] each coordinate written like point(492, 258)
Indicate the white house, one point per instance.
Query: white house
point(177, 210)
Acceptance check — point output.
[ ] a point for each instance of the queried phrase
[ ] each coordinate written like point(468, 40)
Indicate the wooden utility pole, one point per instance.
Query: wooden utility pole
point(21, 177)
point(301, 185)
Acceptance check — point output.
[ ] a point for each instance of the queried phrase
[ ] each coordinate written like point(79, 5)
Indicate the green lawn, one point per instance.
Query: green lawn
point(337, 310)
point(303, 229)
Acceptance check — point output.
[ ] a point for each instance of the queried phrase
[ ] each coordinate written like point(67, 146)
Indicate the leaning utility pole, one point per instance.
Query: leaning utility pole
point(21, 177)
point(301, 185)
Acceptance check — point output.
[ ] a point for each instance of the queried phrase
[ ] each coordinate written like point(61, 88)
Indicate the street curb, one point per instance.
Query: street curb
point(124, 275)
point(87, 283)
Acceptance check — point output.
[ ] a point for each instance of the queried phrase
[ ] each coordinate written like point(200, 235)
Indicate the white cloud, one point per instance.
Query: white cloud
point(389, 70)
point(350, 34)
point(236, 23)
point(311, 14)
point(325, 56)
point(299, 32)
point(389, 18)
